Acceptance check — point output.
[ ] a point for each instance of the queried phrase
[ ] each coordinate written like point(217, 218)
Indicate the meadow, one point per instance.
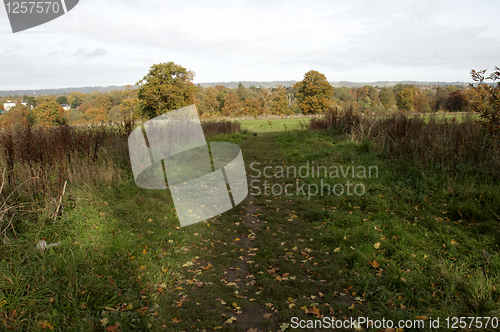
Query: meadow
point(420, 243)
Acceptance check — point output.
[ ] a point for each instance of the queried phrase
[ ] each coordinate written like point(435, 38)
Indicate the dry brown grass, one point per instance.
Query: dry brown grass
point(430, 141)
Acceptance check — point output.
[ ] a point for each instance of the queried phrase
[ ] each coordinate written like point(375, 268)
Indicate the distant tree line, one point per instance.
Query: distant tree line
point(168, 86)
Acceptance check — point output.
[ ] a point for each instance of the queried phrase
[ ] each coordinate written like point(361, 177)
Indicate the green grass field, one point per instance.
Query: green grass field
point(279, 125)
point(416, 245)
point(272, 125)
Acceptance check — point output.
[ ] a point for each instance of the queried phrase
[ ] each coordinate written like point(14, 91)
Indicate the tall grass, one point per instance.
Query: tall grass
point(42, 163)
point(333, 120)
point(428, 141)
point(221, 127)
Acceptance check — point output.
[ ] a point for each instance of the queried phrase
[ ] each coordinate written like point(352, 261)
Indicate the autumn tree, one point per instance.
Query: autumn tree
point(103, 101)
point(96, 114)
point(252, 107)
point(266, 96)
point(455, 101)
point(232, 104)
point(18, 115)
point(421, 103)
point(75, 99)
point(50, 114)
point(242, 92)
point(84, 107)
point(487, 101)
point(166, 87)
point(314, 93)
point(127, 107)
point(280, 104)
point(439, 97)
point(209, 105)
point(405, 99)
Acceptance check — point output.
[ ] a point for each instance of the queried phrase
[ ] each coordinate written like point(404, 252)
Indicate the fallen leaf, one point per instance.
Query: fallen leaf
point(114, 328)
point(230, 320)
point(336, 249)
point(266, 316)
point(284, 326)
point(376, 245)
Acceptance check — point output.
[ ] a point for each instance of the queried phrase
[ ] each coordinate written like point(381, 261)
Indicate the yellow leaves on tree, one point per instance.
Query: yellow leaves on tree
point(128, 105)
point(103, 101)
point(314, 93)
point(232, 104)
point(50, 114)
point(405, 99)
point(209, 106)
point(18, 115)
point(165, 88)
point(96, 114)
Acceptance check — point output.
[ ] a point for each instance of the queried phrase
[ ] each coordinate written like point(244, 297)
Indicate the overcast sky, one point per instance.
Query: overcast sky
point(114, 42)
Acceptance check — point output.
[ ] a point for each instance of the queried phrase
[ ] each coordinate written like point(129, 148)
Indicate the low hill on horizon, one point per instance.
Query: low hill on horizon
point(247, 84)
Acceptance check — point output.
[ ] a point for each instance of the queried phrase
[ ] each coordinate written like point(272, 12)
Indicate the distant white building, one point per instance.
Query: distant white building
point(8, 105)
point(66, 107)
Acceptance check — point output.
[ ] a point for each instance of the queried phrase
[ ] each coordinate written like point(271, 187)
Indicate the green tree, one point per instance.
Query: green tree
point(50, 114)
point(340, 93)
point(30, 102)
point(77, 101)
point(314, 93)
point(62, 100)
point(372, 92)
point(166, 87)
point(242, 92)
point(73, 95)
point(439, 99)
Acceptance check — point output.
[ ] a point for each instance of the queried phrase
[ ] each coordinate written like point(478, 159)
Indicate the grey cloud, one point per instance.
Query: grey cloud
point(83, 53)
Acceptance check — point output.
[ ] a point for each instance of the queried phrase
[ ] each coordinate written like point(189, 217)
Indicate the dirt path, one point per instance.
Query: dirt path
point(257, 149)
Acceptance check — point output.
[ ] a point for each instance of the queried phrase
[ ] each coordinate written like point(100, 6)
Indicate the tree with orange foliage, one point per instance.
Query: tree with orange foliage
point(232, 104)
point(314, 93)
point(18, 115)
point(96, 114)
